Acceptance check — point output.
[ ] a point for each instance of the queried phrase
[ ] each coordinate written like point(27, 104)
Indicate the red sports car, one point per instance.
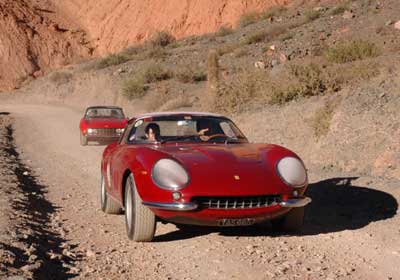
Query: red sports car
point(199, 169)
point(104, 124)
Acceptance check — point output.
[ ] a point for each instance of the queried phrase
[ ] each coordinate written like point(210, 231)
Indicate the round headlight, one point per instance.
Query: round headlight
point(292, 171)
point(90, 130)
point(169, 174)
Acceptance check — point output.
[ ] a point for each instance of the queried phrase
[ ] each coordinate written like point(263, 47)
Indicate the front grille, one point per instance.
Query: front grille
point(237, 202)
point(104, 132)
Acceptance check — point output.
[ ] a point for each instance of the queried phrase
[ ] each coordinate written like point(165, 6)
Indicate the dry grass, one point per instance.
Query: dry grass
point(340, 9)
point(227, 48)
point(351, 51)
point(161, 39)
point(312, 15)
point(112, 59)
point(273, 12)
point(224, 31)
point(134, 88)
point(249, 18)
point(322, 119)
point(265, 35)
point(154, 72)
point(189, 74)
point(60, 77)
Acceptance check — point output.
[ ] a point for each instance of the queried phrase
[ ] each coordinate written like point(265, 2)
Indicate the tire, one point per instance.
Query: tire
point(140, 221)
point(292, 221)
point(84, 141)
point(108, 205)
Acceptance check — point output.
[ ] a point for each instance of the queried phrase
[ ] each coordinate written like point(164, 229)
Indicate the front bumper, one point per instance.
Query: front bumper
point(290, 203)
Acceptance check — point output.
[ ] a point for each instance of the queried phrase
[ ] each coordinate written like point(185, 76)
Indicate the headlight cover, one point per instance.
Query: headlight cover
point(292, 172)
point(119, 130)
point(169, 174)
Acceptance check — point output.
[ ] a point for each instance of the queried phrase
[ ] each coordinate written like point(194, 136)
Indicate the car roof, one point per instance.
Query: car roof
point(162, 114)
point(103, 107)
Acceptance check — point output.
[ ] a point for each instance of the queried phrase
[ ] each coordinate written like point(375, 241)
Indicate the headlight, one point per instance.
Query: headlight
point(170, 175)
point(119, 130)
point(90, 130)
point(292, 171)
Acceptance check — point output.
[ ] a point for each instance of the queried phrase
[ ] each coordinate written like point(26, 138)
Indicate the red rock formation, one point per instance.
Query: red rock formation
point(37, 35)
point(32, 41)
point(116, 24)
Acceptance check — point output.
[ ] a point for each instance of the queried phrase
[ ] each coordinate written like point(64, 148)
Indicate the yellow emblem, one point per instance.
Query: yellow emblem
point(237, 178)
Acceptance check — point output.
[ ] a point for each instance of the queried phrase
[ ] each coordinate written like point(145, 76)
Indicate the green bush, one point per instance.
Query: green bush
point(312, 15)
point(273, 12)
point(190, 75)
point(265, 35)
point(224, 31)
point(112, 59)
point(351, 51)
point(161, 39)
point(155, 72)
point(248, 19)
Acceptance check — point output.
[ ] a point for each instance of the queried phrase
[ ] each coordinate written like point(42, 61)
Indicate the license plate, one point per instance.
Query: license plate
point(236, 222)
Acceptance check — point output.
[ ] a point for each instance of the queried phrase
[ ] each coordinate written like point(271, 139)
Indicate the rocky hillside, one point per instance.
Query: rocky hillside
point(37, 36)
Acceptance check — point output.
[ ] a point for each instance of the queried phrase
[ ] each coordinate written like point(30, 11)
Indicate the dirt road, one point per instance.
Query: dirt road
point(352, 228)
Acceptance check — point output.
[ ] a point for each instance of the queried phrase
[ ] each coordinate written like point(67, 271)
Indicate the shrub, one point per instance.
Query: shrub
point(351, 51)
point(305, 81)
point(312, 15)
point(227, 48)
point(265, 35)
point(154, 53)
point(112, 59)
point(134, 88)
point(273, 12)
point(224, 31)
point(60, 77)
point(248, 19)
point(190, 75)
point(155, 72)
point(322, 119)
point(339, 9)
point(161, 39)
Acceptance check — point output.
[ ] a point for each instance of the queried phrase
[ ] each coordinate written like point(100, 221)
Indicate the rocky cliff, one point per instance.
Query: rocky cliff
point(36, 36)
point(33, 38)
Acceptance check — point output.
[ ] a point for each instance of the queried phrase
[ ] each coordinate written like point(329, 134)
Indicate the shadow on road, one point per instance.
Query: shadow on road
point(4, 113)
point(337, 205)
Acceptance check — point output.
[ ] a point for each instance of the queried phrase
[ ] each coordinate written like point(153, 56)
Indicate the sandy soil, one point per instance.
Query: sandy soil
point(351, 230)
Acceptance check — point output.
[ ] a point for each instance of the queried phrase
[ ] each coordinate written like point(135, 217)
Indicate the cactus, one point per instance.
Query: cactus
point(213, 75)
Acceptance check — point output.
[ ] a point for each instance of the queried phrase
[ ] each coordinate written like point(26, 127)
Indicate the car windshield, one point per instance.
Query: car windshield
point(104, 113)
point(185, 128)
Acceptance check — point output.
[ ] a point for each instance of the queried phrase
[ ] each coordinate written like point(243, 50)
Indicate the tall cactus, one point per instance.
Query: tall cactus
point(213, 76)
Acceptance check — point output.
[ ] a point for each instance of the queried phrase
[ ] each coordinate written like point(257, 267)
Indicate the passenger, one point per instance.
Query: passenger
point(152, 132)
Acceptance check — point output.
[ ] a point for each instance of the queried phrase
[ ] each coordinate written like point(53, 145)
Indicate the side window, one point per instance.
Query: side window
point(128, 128)
point(227, 129)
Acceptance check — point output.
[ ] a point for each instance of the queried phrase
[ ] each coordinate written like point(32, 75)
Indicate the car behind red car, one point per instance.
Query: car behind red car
point(103, 124)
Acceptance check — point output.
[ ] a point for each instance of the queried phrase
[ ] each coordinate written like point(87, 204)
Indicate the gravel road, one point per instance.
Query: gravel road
point(352, 228)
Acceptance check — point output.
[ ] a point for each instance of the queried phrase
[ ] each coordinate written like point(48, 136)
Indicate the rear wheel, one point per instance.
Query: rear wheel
point(108, 205)
point(292, 221)
point(140, 220)
point(83, 139)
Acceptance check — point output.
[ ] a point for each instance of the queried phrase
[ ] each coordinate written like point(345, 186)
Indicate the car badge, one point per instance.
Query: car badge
point(237, 178)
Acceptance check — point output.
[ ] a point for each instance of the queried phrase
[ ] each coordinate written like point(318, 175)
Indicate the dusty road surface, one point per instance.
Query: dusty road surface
point(352, 228)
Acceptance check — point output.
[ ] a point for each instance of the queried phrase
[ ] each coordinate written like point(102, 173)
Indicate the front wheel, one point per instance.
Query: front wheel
point(140, 220)
point(83, 139)
point(292, 221)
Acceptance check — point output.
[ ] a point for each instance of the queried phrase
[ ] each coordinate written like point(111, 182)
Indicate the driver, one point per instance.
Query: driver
point(152, 132)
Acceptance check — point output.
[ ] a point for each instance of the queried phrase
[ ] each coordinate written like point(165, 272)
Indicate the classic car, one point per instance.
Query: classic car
point(199, 169)
point(104, 124)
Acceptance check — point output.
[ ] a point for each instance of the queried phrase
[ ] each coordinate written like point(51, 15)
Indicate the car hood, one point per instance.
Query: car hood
point(234, 169)
point(105, 123)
